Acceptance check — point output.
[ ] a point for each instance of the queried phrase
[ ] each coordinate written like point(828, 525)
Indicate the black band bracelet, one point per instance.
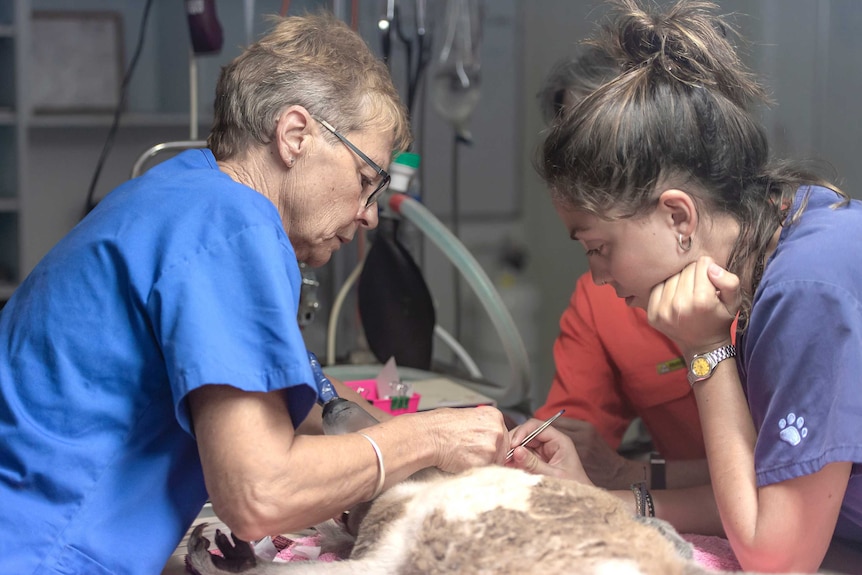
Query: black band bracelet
point(644, 506)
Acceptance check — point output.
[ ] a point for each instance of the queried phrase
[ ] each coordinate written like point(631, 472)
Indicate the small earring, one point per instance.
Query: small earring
point(290, 162)
point(682, 242)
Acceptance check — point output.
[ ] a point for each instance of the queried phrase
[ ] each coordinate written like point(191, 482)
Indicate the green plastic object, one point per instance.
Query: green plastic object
point(408, 159)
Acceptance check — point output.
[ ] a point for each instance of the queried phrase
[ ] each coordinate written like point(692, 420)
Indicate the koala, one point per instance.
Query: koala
point(487, 520)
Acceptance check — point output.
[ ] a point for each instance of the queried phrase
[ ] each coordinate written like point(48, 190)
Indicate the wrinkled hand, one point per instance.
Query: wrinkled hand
point(696, 306)
point(604, 466)
point(549, 453)
point(468, 438)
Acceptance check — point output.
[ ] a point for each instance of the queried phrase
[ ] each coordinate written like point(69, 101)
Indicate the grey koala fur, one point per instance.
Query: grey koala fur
point(486, 520)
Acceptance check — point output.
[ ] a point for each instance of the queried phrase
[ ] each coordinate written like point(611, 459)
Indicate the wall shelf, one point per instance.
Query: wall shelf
point(127, 120)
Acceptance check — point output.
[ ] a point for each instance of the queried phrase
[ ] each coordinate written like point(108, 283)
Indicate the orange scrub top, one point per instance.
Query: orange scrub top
point(612, 366)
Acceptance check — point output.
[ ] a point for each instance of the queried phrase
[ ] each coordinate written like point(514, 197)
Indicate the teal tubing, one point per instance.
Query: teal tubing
point(506, 395)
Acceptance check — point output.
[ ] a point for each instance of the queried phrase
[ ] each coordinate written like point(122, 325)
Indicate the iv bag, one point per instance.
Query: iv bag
point(456, 78)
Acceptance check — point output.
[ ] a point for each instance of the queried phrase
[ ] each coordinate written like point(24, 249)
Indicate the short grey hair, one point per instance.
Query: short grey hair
point(315, 61)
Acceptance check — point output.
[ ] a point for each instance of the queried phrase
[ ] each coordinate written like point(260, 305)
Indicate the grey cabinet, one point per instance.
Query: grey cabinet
point(49, 153)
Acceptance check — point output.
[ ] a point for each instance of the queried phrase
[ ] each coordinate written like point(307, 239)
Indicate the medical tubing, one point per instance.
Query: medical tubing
point(332, 326)
point(458, 350)
point(461, 258)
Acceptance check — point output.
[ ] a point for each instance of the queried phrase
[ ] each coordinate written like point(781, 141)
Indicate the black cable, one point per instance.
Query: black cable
point(408, 49)
point(415, 65)
point(423, 58)
point(119, 110)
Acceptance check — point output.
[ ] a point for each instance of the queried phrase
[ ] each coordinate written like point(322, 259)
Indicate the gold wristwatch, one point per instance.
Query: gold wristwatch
point(703, 364)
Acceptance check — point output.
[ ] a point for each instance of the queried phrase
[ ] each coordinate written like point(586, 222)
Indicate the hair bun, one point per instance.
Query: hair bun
point(688, 43)
point(640, 37)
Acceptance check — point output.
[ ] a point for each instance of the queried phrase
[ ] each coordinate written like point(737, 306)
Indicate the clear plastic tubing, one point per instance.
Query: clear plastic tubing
point(463, 260)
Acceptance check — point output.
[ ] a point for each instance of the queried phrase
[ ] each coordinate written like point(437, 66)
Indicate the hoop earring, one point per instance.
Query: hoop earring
point(682, 244)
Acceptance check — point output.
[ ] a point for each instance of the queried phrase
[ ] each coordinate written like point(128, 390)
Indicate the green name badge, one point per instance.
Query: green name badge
point(671, 365)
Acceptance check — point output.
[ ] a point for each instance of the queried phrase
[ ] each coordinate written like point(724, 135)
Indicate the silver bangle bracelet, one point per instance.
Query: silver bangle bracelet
point(381, 471)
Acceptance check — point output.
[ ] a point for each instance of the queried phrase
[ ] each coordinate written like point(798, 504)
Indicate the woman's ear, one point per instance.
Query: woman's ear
point(292, 134)
point(679, 211)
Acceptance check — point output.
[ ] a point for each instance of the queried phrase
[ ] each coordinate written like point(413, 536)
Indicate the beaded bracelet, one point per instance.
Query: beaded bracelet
point(381, 471)
point(644, 506)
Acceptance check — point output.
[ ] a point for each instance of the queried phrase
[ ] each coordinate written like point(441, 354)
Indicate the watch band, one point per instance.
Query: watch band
point(703, 364)
point(657, 468)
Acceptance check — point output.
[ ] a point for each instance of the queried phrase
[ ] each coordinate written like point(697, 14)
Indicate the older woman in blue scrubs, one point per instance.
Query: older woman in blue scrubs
point(153, 359)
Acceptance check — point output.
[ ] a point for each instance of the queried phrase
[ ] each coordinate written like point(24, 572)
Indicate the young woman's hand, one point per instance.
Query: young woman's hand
point(549, 453)
point(696, 307)
point(603, 464)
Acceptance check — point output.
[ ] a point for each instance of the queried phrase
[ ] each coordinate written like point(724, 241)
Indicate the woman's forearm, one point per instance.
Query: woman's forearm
point(785, 526)
point(729, 436)
point(686, 473)
point(689, 510)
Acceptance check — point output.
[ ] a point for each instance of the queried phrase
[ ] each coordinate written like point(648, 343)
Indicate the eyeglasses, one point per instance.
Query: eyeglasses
point(384, 175)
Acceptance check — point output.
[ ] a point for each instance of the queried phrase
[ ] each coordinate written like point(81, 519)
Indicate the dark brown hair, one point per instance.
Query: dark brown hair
point(575, 77)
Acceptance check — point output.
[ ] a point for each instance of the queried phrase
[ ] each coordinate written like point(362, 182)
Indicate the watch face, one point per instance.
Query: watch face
point(699, 366)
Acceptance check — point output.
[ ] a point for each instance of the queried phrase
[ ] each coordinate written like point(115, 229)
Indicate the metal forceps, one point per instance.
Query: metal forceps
point(537, 431)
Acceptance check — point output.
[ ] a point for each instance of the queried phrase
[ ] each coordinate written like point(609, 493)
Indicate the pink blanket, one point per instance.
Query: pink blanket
point(709, 551)
point(713, 552)
point(298, 550)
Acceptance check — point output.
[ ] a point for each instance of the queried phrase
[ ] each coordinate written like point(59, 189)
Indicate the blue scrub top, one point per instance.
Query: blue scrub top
point(801, 354)
point(179, 278)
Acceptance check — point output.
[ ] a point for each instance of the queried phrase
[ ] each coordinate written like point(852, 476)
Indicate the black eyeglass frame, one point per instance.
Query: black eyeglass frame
point(384, 175)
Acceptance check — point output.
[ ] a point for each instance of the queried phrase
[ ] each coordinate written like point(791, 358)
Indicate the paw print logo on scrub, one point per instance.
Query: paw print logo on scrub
point(793, 429)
